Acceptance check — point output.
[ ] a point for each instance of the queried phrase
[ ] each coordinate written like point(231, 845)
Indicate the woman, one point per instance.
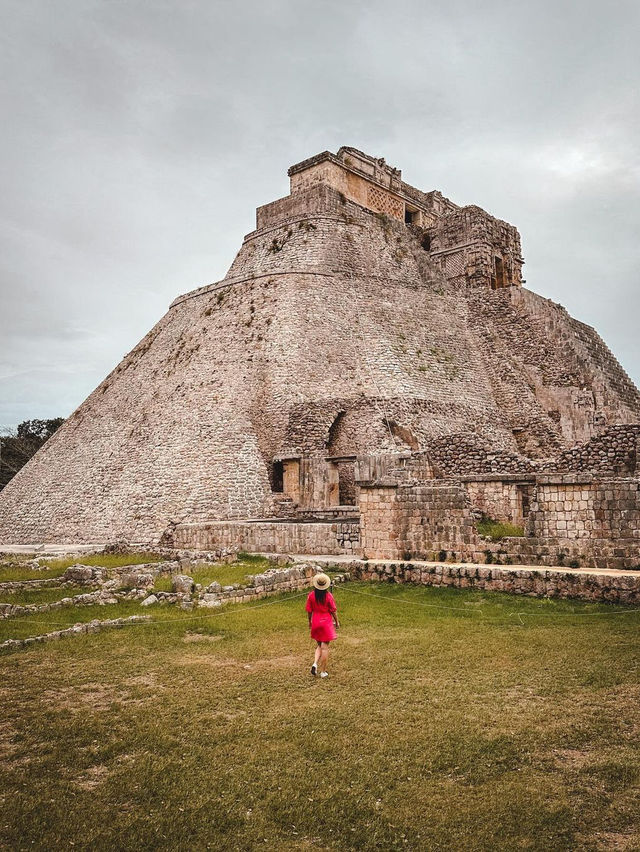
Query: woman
point(323, 621)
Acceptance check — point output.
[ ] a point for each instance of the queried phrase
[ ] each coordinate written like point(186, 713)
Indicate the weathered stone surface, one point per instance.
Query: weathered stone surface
point(84, 574)
point(137, 580)
point(152, 599)
point(182, 584)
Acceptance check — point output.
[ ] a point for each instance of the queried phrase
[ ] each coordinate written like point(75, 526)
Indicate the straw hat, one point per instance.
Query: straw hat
point(321, 582)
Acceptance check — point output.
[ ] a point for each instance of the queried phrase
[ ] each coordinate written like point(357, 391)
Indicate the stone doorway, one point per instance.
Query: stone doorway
point(341, 490)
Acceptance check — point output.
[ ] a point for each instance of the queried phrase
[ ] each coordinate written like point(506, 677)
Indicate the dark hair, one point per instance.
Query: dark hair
point(320, 595)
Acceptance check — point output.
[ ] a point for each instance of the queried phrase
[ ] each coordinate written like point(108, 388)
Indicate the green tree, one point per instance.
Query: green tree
point(17, 446)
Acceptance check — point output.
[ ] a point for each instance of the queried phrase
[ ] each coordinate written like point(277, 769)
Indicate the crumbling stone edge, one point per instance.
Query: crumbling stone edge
point(94, 626)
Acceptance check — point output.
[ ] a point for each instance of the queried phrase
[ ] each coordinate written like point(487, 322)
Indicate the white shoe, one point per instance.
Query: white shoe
point(324, 674)
point(314, 669)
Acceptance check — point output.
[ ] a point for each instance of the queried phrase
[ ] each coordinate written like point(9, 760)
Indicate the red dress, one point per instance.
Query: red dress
point(322, 629)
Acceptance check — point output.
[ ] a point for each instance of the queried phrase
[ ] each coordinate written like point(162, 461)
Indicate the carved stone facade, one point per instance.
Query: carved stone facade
point(470, 245)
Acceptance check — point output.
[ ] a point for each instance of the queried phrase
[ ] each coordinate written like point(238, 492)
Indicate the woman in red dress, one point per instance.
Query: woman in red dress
point(323, 621)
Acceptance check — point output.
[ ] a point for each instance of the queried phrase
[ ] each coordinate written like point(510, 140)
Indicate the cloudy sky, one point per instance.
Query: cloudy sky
point(140, 135)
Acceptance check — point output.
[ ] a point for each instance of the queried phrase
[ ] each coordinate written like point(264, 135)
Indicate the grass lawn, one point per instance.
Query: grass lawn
point(42, 596)
point(233, 572)
point(13, 568)
point(453, 720)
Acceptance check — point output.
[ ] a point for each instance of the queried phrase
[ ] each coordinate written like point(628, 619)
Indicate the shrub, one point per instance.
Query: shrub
point(575, 563)
point(497, 530)
point(442, 556)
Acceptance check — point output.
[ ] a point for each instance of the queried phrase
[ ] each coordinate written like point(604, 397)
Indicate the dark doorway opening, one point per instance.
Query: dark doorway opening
point(277, 478)
point(411, 215)
point(426, 242)
point(347, 483)
point(499, 272)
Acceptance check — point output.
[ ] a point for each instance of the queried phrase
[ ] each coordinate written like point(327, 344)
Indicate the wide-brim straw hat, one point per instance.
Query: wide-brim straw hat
point(321, 582)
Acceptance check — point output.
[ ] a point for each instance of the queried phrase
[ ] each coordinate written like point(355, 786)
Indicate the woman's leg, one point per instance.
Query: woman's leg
point(324, 656)
point(316, 657)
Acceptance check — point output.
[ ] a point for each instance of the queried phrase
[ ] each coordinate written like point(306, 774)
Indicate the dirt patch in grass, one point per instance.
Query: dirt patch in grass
point(571, 758)
point(202, 637)
point(97, 696)
point(92, 777)
point(287, 661)
point(609, 841)
point(149, 680)
point(7, 735)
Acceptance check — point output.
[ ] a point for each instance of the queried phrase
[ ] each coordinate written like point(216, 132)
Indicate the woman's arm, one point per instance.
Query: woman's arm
point(334, 616)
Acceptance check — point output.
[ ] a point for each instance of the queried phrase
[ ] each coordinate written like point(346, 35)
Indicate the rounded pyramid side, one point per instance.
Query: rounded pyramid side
point(164, 438)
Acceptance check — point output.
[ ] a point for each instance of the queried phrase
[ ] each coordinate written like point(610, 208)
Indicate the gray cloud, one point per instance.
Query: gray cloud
point(139, 137)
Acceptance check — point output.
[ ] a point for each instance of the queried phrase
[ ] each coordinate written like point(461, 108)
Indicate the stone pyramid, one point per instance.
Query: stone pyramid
point(362, 316)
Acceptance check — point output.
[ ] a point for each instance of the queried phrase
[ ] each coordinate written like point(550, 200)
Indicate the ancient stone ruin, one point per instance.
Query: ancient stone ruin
point(370, 378)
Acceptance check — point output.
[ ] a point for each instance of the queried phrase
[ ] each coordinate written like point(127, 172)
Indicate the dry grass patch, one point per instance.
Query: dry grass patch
point(201, 637)
point(92, 777)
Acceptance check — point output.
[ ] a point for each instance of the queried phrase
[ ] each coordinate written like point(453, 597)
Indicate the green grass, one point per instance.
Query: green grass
point(13, 568)
point(42, 596)
point(454, 720)
point(106, 560)
point(16, 571)
point(162, 584)
point(496, 530)
point(234, 572)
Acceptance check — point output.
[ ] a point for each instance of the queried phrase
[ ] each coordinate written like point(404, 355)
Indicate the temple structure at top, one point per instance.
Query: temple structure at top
point(471, 246)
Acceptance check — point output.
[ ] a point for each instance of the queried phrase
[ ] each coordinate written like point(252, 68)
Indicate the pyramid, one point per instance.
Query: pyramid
point(361, 317)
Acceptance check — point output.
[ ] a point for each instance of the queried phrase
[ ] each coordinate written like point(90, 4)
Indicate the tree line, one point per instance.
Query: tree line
point(17, 446)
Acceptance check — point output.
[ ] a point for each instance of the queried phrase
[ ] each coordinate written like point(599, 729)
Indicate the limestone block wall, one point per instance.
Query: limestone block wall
point(500, 499)
point(582, 508)
point(554, 378)
point(338, 537)
point(415, 520)
point(316, 199)
point(374, 189)
point(590, 523)
point(467, 242)
point(465, 454)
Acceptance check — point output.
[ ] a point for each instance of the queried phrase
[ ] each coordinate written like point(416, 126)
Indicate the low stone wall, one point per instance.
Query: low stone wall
point(573, 518)
point(22, 585)
point(271, 582)
point(94, 626)
point(100, 597)
point(613, 587)
point(271, 537)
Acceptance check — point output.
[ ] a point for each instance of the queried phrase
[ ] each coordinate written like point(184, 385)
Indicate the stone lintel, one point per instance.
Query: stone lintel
point(498, 477)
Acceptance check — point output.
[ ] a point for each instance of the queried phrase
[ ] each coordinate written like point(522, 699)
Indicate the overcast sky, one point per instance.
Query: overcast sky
point(139, 136)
